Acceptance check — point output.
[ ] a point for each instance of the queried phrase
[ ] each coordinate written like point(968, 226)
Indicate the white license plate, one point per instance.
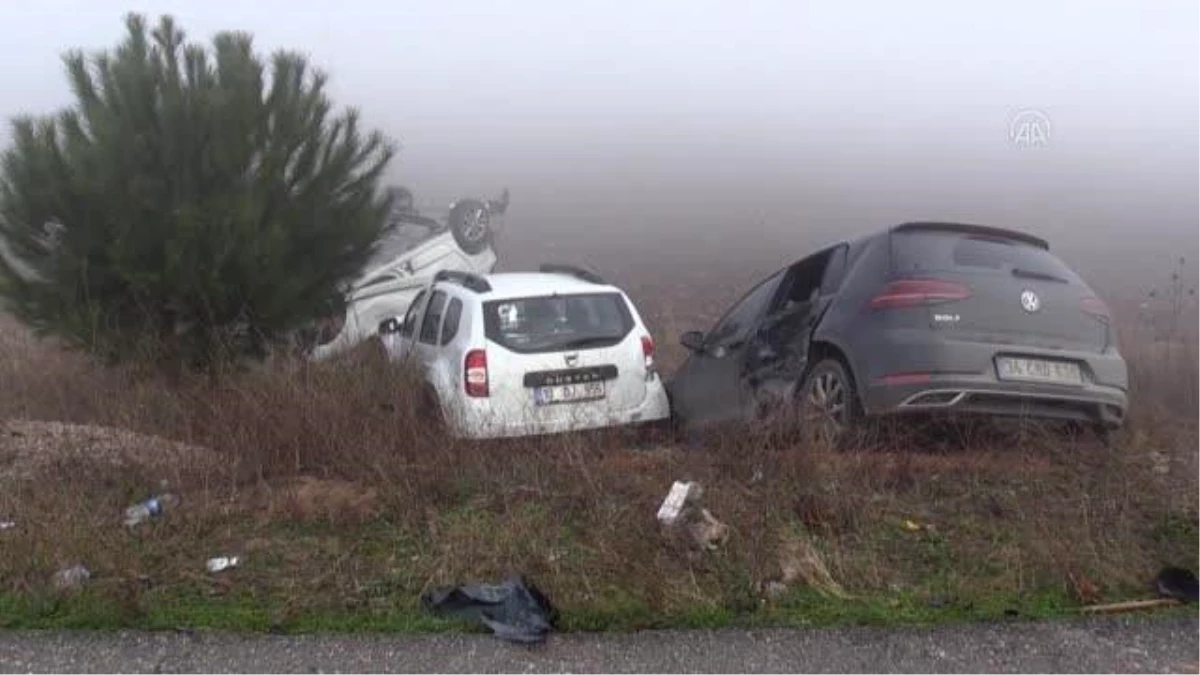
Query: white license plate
point(1038, 370)
point(569, 393)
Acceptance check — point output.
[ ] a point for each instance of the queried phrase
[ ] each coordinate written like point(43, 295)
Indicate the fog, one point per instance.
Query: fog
point(749, 129)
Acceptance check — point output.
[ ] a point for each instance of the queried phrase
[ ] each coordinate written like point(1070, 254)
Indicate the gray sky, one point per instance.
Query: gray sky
point(701, 117)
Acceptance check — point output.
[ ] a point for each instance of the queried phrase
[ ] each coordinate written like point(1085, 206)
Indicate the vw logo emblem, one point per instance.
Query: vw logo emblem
point(571, 360)
point(1030, 302)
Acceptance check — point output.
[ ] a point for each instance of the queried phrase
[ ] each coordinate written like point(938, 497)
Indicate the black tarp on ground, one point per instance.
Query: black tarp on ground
point(514, 610)
point(1178, 583)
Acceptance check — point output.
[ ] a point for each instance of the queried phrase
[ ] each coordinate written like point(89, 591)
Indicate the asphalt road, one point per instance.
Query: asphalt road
point(1099, 645)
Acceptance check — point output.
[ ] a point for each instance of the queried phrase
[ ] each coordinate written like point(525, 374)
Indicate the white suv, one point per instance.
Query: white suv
point(518, 354)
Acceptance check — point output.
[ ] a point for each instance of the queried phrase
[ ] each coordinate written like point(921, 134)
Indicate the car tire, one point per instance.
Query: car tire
point(429, 412)
point(471, 224)
point(827, 403)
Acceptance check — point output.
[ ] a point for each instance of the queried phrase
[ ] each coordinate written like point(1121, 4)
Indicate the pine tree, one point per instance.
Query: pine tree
point(185, 203)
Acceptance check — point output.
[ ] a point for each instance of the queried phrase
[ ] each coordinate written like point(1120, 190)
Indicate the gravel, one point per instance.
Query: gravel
point(1097, 645)
point(29, 447)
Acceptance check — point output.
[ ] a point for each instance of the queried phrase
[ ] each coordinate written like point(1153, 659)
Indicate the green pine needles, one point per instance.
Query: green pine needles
point(187, 206)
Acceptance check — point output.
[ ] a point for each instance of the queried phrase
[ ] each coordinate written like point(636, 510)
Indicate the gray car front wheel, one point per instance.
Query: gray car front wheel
point(828, 403)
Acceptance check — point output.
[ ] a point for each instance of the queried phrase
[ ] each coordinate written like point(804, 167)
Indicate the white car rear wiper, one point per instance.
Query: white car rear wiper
point(583, 342)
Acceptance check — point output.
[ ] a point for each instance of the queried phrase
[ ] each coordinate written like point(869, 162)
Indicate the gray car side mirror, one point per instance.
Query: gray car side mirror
point(389, 326)
point(692, 340)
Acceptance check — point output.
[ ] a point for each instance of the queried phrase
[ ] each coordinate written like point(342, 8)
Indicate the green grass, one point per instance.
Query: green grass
point(90, 610)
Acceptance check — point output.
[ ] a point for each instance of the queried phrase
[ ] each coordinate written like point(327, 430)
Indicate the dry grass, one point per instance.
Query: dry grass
point(341, 502)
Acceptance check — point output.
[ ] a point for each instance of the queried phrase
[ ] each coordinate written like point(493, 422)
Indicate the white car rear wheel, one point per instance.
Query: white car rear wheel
point(471, 224)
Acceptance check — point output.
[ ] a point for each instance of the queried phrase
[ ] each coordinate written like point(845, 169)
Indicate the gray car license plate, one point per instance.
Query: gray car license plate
point(1038, 370)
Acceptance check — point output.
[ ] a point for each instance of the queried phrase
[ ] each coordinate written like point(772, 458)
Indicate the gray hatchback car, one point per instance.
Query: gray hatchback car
point(921, 317)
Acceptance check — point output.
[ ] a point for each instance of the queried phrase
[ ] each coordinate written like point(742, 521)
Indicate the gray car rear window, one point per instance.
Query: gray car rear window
point(973, 254)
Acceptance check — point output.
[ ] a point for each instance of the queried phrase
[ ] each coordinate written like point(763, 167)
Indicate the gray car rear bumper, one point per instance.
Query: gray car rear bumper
point(962, 378)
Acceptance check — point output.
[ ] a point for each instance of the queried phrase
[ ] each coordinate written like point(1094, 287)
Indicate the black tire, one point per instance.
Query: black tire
point(429, 410)
point(470, 222)
point(827, 403)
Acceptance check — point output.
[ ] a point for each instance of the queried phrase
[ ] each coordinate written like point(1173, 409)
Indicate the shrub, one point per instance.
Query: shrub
point(184, 204)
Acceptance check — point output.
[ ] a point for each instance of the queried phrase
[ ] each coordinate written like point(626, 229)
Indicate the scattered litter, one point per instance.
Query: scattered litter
point(1177, 583)
point(678, 508)
point(1130, 606)
point(71, 577)
point(1160, 463)
point(774, 590)
point(681, 493)
point(709, 532)
point(914, 526)
point(514, 610)
point(7, 525)
point(221, 564)
point(151, 508)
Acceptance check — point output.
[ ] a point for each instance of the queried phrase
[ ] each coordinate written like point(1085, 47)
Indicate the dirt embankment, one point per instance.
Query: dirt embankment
point(29, 449)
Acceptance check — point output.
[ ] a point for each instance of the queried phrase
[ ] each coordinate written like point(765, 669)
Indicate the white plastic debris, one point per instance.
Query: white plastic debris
point(149, 509)
point(774, 590)
point(709, 532)
point(672, 507)
point(71, 577)
point(223, 563)
point(7, 525)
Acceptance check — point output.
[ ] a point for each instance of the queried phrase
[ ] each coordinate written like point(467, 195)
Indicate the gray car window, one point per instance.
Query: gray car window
point(835, 271)
point(957, 252)
point(737, 323)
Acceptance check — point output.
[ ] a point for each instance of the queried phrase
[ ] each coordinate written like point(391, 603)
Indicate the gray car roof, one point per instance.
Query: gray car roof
point(968, 228)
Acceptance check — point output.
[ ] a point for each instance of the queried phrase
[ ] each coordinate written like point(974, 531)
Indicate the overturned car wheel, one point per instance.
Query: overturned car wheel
point(470, 222)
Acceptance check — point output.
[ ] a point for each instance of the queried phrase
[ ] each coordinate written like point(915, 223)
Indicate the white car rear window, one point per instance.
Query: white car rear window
point(558, 322)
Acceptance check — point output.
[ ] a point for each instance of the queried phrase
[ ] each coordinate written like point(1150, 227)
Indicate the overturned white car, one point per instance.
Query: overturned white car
point(416, 249)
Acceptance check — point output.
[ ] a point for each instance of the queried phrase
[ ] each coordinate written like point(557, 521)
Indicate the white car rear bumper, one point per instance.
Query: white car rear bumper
point(479, 422)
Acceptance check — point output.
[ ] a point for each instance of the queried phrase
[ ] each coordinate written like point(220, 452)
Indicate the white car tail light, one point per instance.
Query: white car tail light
point(648, 352)
point(475, 374)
